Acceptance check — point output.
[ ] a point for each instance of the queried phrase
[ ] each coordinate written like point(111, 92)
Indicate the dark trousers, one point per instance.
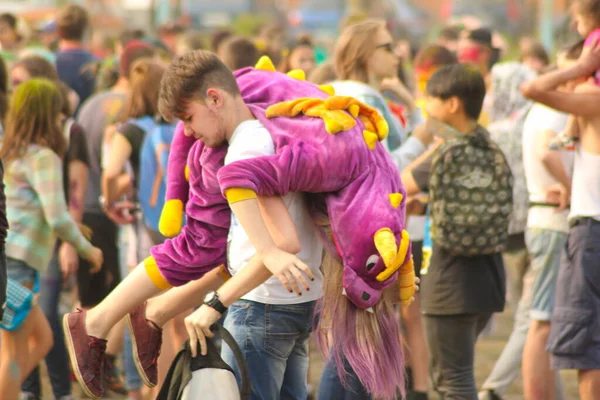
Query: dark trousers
point(451, 340)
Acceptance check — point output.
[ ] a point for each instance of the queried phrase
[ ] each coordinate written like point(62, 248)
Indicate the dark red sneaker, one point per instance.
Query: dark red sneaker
point(86, 353)
point(146, 338)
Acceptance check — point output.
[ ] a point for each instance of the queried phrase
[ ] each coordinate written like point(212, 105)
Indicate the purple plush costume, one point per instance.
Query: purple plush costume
point(357, 184)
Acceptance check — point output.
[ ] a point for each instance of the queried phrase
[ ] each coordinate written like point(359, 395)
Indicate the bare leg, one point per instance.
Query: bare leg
point(40, 340)
point(538, 377)
point(589, 384)
point(115, 338)
point(162, 308)
point(15, 361)
point(417, 347)
point(136, 288)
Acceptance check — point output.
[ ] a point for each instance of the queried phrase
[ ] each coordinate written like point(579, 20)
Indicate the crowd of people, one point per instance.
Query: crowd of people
point(499, 163)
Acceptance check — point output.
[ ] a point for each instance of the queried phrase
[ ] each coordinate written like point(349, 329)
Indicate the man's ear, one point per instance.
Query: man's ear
point(214, 98)
point(454, 105)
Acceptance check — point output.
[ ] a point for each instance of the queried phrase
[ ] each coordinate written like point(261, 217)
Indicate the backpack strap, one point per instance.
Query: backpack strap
point(239, 357)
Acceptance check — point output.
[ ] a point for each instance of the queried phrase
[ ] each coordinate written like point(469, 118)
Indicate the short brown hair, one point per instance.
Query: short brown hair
point(72, 22)
point(37, 67)
point(238, 52)
point(189, 77)
point(143, 95)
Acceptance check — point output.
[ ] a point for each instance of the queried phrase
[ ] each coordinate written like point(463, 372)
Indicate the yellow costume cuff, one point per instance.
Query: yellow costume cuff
point(235, 195)
point(154, 274)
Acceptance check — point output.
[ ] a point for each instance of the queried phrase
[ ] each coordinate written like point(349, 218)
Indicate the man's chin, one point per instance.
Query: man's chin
point(213, 145)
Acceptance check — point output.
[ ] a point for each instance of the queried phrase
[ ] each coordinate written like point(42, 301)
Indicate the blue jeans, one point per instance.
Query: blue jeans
point(274, 341)
point(56, 360)
point(330, 386)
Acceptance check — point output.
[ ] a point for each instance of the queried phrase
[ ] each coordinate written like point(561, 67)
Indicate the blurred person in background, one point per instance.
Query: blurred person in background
point(299, 54)
point(127, 36)
point(323, 74)
point(534, 55)
point(238, 52)
point(367, 66)
point(271, 40)
point(188, 41)
point(168, 34)
point(449, 37)
point(101, 45)
point(217, 38)
point(72, 58)
point(475, 47)
point(10, 39)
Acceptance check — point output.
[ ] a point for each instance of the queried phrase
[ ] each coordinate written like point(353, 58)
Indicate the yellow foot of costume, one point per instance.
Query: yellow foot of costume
point(171, 218)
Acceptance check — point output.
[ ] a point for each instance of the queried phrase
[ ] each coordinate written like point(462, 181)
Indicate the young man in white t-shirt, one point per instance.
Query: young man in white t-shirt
point(271, 324)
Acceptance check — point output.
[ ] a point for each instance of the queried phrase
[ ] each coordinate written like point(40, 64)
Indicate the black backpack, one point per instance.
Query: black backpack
point(206, 377)
point(470, 195)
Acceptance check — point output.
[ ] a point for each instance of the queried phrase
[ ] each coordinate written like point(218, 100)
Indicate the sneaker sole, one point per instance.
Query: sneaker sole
point(73, 358)
point(136, 359)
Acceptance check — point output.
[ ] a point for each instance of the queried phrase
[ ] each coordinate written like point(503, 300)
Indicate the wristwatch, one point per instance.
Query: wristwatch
point(212, 300)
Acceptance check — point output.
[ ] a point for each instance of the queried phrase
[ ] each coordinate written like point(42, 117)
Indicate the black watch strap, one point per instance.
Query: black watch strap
point(216, 304)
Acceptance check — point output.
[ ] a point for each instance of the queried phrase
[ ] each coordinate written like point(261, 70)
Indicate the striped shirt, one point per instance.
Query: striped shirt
point(37, 210)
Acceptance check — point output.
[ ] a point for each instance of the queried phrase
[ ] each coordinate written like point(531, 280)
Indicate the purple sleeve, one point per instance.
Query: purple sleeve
point(307, 159)
point(177, 185)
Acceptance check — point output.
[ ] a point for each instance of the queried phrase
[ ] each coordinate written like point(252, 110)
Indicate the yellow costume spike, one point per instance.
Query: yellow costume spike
point(403, 249)
point(399, 259)
point(354, 110)
point(186, 173)
point(328, 89)
point(396, 199)
point(297, 74)
point(332, 126)
point(382, 129)
point(370, 138)
point(335, 120)
point(385, 243)
point(265, 64)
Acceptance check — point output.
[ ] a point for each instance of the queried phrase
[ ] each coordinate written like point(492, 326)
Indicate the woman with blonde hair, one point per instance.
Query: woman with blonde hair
point(366, 67)
point(32, 147)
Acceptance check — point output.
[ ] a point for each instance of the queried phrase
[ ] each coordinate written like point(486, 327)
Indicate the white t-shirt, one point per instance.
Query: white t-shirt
point(539, 120)
point(251, 139)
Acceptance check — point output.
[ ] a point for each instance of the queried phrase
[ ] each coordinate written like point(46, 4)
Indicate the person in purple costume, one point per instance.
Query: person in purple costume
point(356, 187)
